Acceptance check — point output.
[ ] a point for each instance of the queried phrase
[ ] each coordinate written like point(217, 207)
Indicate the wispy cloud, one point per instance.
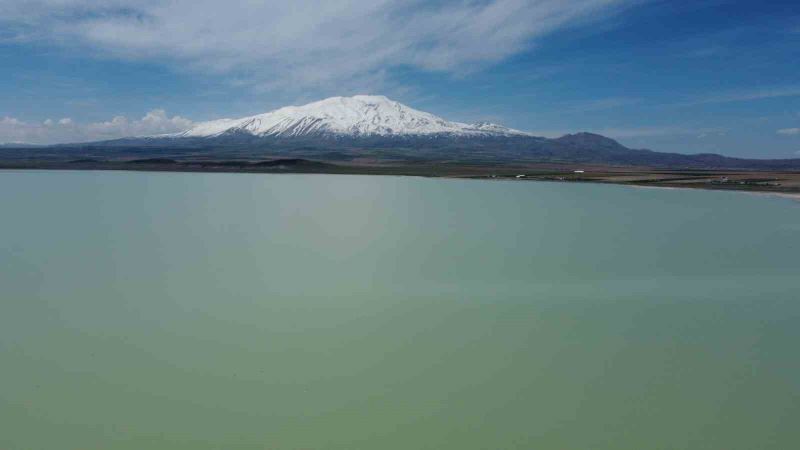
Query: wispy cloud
point(603, 104)
point(745, 95)
point(705, 52)
point(304, 43)
point(649, 131)
point(789, 131)
point(637, 132)
point(66, 130)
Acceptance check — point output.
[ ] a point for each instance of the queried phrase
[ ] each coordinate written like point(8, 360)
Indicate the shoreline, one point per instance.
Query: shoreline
point(778, 184)
point(795, 196)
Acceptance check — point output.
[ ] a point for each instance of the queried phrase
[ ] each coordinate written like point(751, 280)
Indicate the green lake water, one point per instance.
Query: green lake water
point(223, 311)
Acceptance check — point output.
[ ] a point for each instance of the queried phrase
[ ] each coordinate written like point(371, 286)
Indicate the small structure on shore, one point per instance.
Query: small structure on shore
point(520, 176)
point(579, 171)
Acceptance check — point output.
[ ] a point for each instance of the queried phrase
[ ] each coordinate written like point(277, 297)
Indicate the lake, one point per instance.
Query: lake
point(235, 311)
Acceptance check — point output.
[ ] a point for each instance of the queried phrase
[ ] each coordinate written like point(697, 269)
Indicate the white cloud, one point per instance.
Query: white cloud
point(10, 122)
point(305, 43)
point(789, 131)
point(67, 130)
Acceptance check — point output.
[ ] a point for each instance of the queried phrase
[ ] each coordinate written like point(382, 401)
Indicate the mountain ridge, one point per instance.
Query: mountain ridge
point(380, 130)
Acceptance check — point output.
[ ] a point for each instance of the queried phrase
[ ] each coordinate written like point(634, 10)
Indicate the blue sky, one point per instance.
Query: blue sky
point(702, 76)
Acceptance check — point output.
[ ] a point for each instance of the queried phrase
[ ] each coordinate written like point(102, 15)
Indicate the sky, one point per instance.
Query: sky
point(699, 76)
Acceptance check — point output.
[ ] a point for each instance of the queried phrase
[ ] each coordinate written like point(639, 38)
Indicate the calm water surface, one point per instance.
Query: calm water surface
point(215, 311)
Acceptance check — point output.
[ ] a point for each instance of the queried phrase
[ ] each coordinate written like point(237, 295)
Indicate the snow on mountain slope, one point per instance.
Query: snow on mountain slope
point(361, 115)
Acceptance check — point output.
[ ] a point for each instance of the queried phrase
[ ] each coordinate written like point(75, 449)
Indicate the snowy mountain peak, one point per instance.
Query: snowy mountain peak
point(357, 116)
point(488, 126)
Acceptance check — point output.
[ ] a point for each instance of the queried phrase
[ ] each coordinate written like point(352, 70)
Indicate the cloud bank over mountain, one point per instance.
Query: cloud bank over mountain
point(13, 130)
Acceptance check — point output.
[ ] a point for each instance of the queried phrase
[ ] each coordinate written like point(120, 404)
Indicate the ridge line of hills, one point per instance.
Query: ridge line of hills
point(378, 129)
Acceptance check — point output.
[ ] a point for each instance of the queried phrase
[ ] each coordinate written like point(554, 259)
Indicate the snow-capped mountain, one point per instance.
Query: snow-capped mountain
point(374, 129)
point(352, 117)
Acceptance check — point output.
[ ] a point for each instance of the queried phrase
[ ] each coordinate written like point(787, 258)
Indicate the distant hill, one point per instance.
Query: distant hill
point(18, 145)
